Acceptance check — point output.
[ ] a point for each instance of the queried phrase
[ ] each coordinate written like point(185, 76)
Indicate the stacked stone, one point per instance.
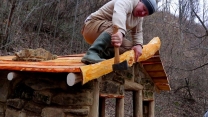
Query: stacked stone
point(43, 95)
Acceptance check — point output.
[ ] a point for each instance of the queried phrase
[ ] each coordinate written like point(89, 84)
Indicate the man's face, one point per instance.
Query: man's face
point(140, 10)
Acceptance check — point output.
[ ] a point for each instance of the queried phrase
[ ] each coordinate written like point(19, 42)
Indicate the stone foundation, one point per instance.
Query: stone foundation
point(34, 94)
point(43, 95)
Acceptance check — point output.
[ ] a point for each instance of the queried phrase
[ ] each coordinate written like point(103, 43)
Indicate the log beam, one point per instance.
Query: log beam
point(73, 78)
point(93, 71)
point(111, 95)
point(132, 86)
point(11, 76)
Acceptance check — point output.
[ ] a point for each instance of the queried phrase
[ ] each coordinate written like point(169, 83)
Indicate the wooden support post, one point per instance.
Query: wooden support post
point(152, 108)
point(119, 107)
point(102, 107)
point(137, 103)
point(94, 108)
point(11, 75)
point(73, 78)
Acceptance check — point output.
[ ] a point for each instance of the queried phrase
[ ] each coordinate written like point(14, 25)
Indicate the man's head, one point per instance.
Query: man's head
point(144, 8)
point(151, 5)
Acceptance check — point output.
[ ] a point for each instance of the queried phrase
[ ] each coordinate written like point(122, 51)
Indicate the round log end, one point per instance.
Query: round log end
point(71, 78)
point(10, 76)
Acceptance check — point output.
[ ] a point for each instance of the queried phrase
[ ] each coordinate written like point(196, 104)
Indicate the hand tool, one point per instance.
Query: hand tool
point(117, 65)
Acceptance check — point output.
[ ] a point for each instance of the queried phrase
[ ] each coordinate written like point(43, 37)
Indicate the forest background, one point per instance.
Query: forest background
point(55, 25)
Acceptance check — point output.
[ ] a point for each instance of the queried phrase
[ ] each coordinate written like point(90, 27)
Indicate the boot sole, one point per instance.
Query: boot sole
point(86, 61)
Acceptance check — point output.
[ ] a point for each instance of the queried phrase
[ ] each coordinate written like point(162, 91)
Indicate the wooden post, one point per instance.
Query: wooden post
point(94, 108)
point(137, 104)
point(102, 107)
point(152, 107)
point(119, 107)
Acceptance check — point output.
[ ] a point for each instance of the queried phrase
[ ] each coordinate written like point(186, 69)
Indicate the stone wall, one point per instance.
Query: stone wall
point(43, 95)
point(33, 94)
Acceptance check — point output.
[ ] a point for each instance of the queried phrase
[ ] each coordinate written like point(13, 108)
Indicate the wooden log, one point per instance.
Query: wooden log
point(137, 104)
point(132, 86)
point(111, 95)
point(94, 71)
point(37, 68)
point(119, 107)
point(11, 76)
point(97, 70)
point(94, 109)
point(63, 64)
point(102, 107)
point(73, 78)
point(150, 49)
point(152, 108)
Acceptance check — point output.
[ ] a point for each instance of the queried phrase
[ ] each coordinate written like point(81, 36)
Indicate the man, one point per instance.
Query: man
point(128, 16)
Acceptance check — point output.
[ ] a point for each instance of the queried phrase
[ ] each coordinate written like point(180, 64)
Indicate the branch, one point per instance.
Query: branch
point(200, 20)
point(9, 18)
point(201, 23)
point(190, 69)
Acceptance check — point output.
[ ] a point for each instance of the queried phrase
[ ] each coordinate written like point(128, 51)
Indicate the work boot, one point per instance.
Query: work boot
point(97, 52)
point(109, 52)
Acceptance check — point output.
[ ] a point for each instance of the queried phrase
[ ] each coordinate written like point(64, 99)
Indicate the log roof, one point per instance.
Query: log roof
point(154, 68)
point(72, 63)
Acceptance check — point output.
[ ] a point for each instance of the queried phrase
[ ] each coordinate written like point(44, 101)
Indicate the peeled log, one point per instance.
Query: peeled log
point(94, 71)
point(150, 49)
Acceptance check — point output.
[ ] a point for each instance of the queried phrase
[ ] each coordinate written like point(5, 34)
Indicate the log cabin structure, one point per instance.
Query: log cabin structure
point(57, 88)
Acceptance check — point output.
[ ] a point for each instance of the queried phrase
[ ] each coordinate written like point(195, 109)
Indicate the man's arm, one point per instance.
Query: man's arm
point(137, 38)
point(120, 11)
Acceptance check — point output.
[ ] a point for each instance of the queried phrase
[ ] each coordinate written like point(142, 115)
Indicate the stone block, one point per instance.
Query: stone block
point(52, 112)
point(111, 87)
point(44, 81)
point(148, 95)
point(14, 113)
point(16, 103)
point(2, 108)
point(116, 77)
point(42, 97)
point(138, 74)
point(79, 87)
point(84, 98)
point(4, 89)
point(77, 112)
point(33, 107)
point(147, 84)
point(129, 73)
point(119, 78)
point(41, 83)
point(22, 91)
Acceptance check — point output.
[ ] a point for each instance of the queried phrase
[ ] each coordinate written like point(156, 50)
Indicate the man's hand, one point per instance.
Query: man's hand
point(138, 51)
point(116, 39)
